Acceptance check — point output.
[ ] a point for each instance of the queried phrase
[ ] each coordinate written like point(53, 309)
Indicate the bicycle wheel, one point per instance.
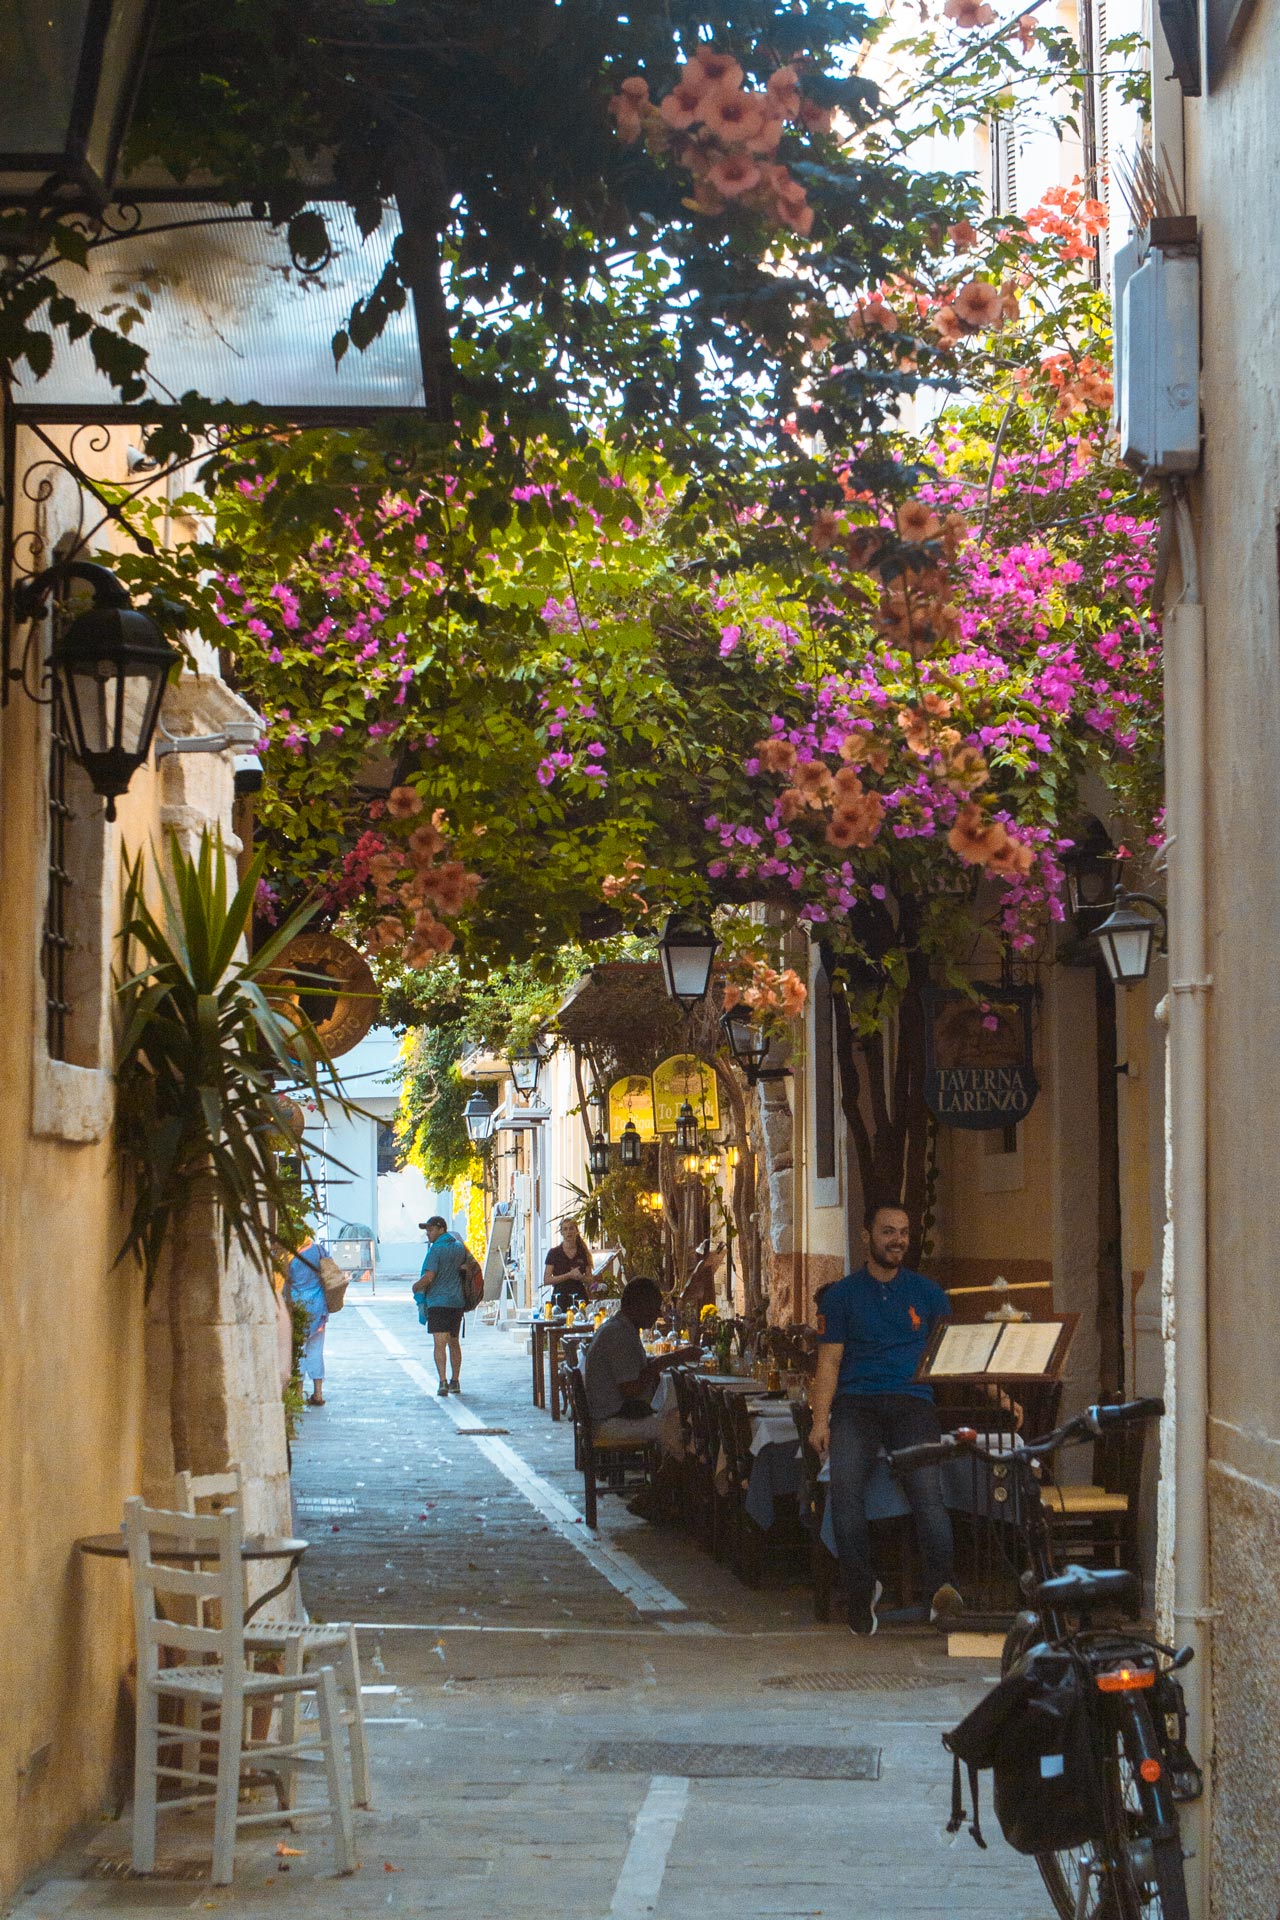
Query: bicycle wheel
point(1126, 1875)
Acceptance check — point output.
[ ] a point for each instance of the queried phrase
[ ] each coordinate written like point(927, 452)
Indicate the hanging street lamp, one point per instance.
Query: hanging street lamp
point(598, 1157)
point(477, 1117)
point(1091, 867)
point(72, 70)
point(1128, 938)
point(629, 1145)
point(686, 1129)
point(524, 1063)
point(686, 950)
point(111, 664)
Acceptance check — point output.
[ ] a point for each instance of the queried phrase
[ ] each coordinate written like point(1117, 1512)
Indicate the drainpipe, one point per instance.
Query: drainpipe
point(1189, 983)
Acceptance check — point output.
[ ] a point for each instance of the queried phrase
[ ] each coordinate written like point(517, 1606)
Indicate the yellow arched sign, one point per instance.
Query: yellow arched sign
point(685, 1077)
point(631, 1098)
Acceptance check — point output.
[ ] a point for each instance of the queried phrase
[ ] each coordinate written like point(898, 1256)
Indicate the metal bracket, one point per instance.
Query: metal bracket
point(244, 734)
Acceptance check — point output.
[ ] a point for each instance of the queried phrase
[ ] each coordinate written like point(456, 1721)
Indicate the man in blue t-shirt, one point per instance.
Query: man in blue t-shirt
point(873, 1327)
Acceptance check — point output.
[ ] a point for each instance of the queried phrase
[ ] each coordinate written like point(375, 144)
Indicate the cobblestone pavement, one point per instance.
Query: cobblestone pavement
point(548, 1715)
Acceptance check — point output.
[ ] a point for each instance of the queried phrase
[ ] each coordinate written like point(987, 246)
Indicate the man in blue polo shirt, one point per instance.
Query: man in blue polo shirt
point(873, 1327)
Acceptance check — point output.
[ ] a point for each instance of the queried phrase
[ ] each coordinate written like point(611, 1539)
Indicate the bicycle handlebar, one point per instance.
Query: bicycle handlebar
point(1095, 1420)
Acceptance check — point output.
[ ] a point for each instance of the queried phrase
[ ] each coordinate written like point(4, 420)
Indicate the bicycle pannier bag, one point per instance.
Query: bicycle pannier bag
point(1034, 1732)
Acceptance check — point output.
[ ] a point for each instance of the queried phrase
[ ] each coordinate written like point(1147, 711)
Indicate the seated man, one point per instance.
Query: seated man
point(620, 1377)
point(873, 1328)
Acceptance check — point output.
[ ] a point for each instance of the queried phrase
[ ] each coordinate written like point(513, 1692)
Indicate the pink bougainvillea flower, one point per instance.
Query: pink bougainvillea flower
point(404, 802)
point(978, 304)
point(734, 174)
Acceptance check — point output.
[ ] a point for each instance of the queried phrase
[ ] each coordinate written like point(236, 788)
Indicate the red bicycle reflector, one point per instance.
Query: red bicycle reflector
point(1150, 1771)
point(1126, 1679)
point(967, 1434)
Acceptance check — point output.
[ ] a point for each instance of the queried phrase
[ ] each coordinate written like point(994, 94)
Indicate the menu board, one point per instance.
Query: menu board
point(1004, 1349)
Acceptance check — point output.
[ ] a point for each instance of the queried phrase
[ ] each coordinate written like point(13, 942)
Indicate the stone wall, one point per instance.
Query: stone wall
point(1245, 1521)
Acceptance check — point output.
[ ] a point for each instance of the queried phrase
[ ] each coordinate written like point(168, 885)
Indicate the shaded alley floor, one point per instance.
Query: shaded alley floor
point(591, 1728)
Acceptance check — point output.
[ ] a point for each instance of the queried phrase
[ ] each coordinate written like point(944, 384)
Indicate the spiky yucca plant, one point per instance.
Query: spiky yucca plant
point(200, 1042)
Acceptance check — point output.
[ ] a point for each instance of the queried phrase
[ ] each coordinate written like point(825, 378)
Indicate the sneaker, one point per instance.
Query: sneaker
point(864, 1619)
point(455, 1386)
point(442, 1390)
point(946, 1604)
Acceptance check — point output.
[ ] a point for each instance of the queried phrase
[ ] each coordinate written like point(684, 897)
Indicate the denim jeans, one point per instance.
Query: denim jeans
point(860, 1426)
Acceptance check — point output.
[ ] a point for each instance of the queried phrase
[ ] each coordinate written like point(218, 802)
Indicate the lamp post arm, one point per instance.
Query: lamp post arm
point(1124, 898)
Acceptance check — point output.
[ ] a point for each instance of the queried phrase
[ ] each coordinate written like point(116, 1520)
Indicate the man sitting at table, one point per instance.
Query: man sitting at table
point(873, 1328)
point(621, 1378)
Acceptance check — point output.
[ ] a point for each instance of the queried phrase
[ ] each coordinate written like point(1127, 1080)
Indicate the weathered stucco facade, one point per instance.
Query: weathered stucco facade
point(87, 1385)
point(1232, 154)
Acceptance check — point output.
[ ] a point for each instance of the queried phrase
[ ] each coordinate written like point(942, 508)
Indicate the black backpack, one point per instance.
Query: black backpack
point(1035, 1732)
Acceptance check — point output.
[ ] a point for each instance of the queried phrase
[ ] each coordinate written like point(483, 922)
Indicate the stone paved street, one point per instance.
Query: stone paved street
point(503, 1649)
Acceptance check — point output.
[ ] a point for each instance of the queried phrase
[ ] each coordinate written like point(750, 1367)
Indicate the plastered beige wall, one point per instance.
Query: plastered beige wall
point(85, 1371)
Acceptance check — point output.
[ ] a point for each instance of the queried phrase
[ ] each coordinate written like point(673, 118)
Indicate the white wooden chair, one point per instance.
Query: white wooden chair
point(298, 1642)
point(215, 1672)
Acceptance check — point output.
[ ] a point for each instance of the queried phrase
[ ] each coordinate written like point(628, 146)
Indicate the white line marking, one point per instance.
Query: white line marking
point(646, 1594)
point(640, 1882)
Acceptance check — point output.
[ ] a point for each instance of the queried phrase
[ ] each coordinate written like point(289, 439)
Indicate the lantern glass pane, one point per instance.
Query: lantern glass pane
point(1128, 951)
point(92, 690)
point(121, 58)
point(524, 1071)
point(40, 49)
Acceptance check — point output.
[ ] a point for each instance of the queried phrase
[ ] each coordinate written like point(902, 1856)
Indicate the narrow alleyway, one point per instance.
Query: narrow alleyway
point(558, 1724)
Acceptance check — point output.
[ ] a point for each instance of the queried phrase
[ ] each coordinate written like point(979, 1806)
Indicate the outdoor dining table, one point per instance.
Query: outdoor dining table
point(778, 1472)
point(547, 1335)
point(256, 1547)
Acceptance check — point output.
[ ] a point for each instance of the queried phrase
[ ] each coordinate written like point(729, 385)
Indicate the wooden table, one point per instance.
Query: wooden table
point(547, 1335)
point(257, 1546)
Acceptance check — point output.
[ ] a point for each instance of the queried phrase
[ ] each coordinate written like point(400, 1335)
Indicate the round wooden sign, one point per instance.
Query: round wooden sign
point(323, 979)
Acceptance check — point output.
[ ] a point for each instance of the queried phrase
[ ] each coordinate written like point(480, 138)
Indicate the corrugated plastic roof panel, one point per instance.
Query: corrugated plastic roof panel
point(231, 317)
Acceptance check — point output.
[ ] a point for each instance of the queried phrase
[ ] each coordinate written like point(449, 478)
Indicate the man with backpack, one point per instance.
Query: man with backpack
point(448, 1286)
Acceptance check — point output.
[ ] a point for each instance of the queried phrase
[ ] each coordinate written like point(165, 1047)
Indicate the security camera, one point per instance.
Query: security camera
point(247, 768)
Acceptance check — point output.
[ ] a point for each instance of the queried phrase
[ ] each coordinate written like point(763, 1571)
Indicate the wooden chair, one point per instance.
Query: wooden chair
point(697, 1467)
point(298, 1643)
point(613, 1463)
point(1098, 1523)
point(822, 1565)
point(216, 1673)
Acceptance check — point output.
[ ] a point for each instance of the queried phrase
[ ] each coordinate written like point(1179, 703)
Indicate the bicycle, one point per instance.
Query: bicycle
point(1132, 1867)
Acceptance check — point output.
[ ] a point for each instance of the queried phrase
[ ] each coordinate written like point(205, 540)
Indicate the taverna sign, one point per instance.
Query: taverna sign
point(979, 1071)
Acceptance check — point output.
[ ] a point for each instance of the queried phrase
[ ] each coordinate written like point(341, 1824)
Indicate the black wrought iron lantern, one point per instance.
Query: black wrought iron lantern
point(1128, 938)
point(524, 1063)
point(629, 1145)
point(477, 1117)
point(71, 70)
point(112, 664)
point(1091, 867)
point(747, 1043)
point(598, 1157)
point(687, 949)
point(686, 1129)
